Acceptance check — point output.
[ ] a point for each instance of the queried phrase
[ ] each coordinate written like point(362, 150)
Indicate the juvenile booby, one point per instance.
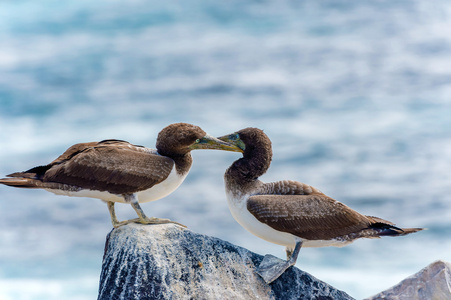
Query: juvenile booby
point(117, 171)
point(290, 213)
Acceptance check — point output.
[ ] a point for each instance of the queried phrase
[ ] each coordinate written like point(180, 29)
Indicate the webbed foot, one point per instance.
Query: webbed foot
point(272, 267)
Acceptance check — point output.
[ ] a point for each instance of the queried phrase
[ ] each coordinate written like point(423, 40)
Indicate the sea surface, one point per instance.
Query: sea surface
point(355, 96)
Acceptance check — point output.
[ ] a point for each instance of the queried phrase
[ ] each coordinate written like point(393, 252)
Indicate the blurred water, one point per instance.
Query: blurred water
point(354, 95)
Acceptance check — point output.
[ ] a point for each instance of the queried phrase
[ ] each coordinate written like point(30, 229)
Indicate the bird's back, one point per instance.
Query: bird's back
point(113, 166)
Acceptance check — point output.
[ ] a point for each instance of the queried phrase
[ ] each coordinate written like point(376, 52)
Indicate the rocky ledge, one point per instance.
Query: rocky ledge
point(431, 283)
point(170, 262)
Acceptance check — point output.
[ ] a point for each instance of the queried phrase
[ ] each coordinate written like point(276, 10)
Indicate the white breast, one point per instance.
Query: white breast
point(161, 190)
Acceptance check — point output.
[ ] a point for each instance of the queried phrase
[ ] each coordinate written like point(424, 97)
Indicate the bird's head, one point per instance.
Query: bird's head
point(248, 140)
point(181, 138)
point(256, 148)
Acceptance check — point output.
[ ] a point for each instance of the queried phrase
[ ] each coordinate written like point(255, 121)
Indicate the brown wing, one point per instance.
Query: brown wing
point(314, 217)
point(38, 172)
point(112, 165)
point(74, 150)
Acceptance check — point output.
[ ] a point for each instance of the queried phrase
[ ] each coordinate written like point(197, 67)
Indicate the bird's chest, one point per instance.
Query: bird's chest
point(162, 189)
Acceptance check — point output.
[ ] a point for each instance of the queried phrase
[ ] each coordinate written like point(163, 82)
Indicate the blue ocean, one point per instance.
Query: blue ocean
point(355, 96)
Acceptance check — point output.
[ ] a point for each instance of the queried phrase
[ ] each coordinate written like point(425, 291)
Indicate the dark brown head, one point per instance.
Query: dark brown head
point(257, 149)
point(179, 139)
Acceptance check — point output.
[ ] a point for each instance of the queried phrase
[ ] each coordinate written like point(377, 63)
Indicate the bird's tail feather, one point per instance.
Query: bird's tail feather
point(20, 182)
point(386, 228)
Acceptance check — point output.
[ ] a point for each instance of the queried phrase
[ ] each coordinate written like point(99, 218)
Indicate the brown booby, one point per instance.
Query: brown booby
point(290, 213)
point(117, 171)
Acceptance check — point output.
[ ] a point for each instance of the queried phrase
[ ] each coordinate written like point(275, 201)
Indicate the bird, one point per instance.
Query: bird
point(118, 171)
point(287, 212)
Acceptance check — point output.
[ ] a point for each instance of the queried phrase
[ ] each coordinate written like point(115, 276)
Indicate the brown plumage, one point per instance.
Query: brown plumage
point(111, 165)
point(117, 171)
point(318, 217)
point(287, 212)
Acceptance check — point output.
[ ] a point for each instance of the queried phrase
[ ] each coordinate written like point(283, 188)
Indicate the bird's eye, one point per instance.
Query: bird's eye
point(235, 136)
point(197, 141)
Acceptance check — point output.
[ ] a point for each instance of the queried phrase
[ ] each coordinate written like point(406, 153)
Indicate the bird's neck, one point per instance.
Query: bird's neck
point(246, 170)
point(182, 162)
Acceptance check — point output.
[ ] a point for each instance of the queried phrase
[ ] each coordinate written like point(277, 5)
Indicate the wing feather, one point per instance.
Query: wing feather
point(114, 166)
point(314, 217)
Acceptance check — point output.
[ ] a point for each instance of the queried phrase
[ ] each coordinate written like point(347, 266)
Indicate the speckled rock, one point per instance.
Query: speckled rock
point(169, 262)
point(431, 283)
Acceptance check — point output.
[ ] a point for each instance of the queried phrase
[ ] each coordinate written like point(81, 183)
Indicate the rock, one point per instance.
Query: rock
point(170, 262)
point(432, 283)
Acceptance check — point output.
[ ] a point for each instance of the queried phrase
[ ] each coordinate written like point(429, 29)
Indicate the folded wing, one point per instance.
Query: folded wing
point(313, 217)
point(114, 166)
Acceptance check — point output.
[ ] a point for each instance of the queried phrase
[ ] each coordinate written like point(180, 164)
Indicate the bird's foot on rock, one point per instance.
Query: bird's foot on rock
point(158, 221)
point(117, 224)
point(272, 267)
point(148, 221)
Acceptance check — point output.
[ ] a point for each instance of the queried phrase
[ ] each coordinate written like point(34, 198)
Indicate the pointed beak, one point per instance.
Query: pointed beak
point(210, 142)
point(233, 139)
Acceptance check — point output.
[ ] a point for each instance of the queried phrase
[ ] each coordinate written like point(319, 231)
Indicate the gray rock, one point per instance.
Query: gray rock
point(169, 262)
point(432, 283)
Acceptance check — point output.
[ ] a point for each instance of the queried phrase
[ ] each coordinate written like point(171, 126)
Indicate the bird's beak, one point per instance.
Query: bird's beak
point(210, 142)
point(234, 139)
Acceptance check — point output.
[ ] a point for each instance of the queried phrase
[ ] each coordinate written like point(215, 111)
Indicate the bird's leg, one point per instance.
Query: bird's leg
point(272, 267)
point(289, 252)
point(295, 253)
point(114, 220)
point(143, 219)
